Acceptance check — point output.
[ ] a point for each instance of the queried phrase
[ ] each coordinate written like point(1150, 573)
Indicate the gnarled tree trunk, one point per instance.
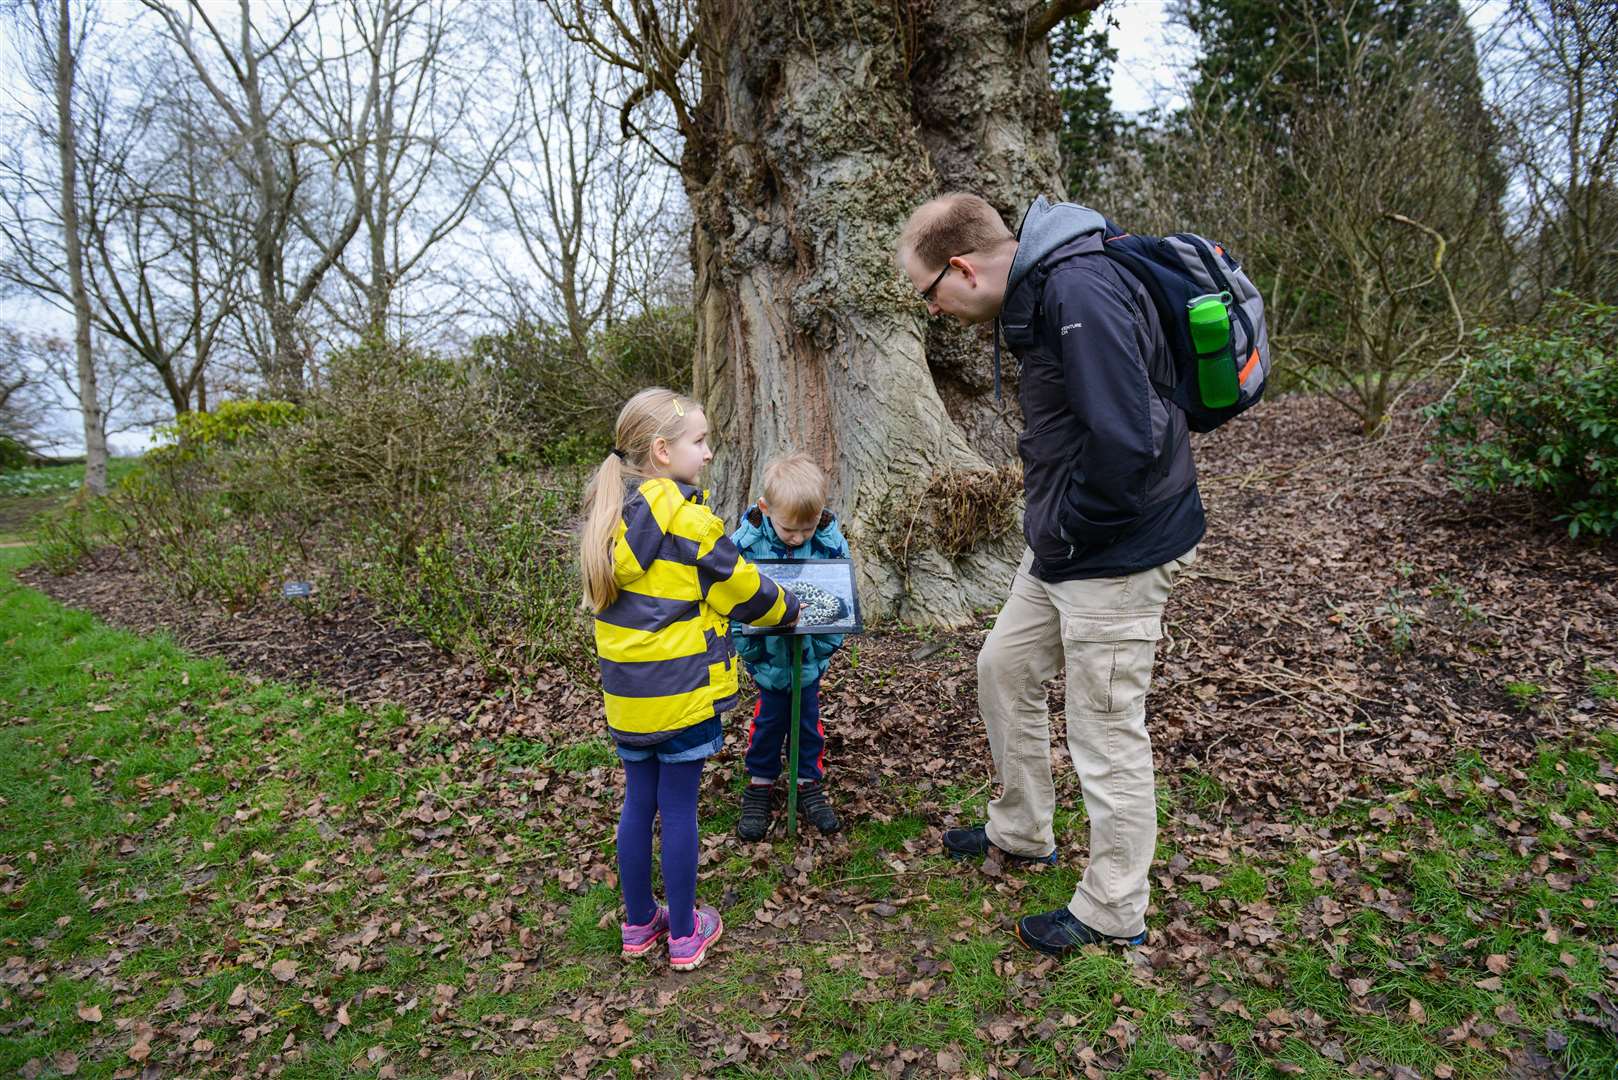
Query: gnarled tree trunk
point(828, 122)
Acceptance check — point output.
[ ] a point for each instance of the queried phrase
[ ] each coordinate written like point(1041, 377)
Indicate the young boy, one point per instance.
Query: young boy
point(790, 522)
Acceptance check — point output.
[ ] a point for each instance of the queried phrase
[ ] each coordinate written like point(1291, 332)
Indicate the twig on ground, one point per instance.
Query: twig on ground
point(888, 874)
point(974, 793)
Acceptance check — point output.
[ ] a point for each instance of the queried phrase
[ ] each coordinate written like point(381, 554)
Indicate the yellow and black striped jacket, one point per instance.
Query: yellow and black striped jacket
point(664, 645)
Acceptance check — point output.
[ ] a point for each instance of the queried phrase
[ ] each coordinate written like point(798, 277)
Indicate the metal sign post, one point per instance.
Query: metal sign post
point(829, 604)
point(792, 737)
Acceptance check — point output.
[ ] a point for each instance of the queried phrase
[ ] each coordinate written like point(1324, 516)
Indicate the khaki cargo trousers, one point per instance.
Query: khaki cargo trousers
point(1105, 631)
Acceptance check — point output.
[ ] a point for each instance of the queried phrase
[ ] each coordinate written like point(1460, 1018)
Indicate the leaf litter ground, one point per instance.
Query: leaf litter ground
point(1385, 726)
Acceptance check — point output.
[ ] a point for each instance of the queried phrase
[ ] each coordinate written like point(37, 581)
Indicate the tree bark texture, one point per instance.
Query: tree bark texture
point(830, 122)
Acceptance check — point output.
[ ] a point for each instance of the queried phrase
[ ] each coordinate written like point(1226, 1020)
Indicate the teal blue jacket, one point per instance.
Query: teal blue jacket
point(769, 657)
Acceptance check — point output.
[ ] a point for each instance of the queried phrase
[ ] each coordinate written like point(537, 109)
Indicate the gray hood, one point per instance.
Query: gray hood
point(1046, 229)
point(1048, 226)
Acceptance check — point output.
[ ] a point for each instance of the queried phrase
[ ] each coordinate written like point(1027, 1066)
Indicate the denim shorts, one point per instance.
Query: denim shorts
point(694, 743)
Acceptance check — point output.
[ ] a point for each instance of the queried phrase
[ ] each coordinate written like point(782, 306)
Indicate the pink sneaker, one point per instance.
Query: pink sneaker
point(640, 940)
point(688, 952)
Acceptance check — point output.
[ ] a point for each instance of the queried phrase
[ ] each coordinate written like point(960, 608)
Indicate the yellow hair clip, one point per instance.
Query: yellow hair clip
point(679, 410)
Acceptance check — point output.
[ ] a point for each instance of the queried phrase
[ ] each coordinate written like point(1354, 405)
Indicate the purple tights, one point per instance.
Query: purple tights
point(652, 789)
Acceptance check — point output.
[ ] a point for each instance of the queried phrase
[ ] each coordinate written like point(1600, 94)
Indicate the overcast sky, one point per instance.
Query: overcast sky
point(1153, 55)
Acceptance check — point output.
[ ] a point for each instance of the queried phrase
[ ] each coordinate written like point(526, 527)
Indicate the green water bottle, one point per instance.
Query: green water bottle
point(1210, 336)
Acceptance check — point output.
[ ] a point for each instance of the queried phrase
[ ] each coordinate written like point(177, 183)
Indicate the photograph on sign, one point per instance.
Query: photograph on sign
point(827, 600)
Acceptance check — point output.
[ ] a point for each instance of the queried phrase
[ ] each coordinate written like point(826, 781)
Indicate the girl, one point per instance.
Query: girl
point(664, 581)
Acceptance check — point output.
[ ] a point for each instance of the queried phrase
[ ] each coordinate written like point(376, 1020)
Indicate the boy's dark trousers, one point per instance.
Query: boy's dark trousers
point(771, 719)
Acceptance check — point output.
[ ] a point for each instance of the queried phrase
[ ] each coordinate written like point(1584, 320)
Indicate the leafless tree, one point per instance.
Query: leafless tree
point(52, 53)
point(162, 260)
point(25, 403)
point(590, 209)
point(124, 400)
point(252, 83)
point(1393, 203)
point(202, 217)
point(419, 89)
point(1556, 80)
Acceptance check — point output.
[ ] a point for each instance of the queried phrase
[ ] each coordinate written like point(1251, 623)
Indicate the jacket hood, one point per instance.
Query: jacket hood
point(1048, 226)
point(1048, 230)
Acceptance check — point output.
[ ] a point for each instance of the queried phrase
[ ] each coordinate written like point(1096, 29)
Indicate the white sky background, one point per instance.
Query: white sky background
point(1154, 56)
point(1153, 61)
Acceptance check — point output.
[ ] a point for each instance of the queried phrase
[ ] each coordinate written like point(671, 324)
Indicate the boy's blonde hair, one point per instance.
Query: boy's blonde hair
point(652, 414)
point(795, 488)
point(951, 225)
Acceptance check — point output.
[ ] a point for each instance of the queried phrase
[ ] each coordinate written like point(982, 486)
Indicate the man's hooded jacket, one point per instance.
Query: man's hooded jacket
point(1110, 485)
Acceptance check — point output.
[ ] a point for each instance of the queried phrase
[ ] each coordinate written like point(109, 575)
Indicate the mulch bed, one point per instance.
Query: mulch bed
point(1284, 674)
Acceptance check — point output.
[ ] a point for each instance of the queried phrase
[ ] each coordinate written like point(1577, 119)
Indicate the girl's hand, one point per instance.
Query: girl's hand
point(796, 610)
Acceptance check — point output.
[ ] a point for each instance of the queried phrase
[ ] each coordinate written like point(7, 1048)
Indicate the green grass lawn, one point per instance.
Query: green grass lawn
point(211, 873)
point(27, 493)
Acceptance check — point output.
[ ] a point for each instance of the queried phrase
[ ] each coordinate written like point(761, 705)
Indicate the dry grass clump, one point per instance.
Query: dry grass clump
point(961, 509)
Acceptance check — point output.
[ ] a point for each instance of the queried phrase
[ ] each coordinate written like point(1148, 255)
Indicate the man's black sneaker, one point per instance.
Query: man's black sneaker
point(812, 805)
point(966, 843)
point(755, 820)
point(1058, 933)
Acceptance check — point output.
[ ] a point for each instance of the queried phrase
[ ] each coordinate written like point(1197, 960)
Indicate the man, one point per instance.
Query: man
point(1111, 517)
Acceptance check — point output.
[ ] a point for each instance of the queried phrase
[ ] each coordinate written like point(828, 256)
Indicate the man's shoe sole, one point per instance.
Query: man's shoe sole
point(1005, 856)
point(1060, 953)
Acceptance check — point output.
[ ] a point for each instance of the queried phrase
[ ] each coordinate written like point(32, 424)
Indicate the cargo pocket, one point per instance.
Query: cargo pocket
point(1109, 661)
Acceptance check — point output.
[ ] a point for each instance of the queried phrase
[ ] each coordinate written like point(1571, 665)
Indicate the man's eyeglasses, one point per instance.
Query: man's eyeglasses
point(927, 293)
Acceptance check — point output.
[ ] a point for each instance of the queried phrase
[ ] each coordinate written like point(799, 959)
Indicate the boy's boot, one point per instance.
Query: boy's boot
point(812, 804)
point(755, 820)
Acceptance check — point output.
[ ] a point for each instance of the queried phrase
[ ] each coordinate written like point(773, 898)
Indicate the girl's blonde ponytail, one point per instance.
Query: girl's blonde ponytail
point(603, 502)
point(648, 416)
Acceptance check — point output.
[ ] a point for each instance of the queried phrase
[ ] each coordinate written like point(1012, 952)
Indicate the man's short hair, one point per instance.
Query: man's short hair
point(951, 225)
point(795, 488)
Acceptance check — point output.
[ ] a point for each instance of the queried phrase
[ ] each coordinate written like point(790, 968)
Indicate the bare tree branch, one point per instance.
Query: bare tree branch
point(1043, 19)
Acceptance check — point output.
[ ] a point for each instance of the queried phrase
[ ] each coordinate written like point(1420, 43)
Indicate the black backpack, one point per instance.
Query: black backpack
point(1176, 269)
